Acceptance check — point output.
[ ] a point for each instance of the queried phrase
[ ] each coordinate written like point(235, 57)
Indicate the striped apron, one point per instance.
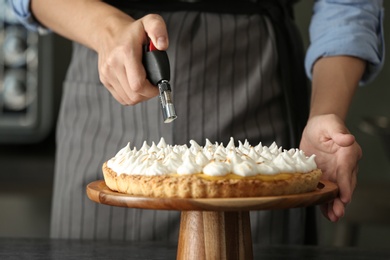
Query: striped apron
point(227, 82)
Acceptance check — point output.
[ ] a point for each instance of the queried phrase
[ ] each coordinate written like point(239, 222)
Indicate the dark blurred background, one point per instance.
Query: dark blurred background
point(32, 68)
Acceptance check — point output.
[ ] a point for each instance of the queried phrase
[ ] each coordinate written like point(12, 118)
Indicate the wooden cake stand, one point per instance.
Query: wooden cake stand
point(213, 228)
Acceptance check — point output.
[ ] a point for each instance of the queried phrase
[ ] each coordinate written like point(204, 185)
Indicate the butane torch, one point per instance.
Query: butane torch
point(157, 68)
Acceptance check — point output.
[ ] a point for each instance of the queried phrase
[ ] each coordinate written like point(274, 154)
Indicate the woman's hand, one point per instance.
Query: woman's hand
point(120, 59)
point(115, 36)
point(337, 155)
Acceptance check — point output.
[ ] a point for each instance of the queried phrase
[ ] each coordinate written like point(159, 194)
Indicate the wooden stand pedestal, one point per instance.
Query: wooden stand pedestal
point(213, 228)
point(215, 235)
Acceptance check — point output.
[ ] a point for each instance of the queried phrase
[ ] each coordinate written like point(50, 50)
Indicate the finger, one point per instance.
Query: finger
point(324, 210)
point(124, 89)
point(327, 211)
point(108, 75)
point(338, 209)
point(354, 179)
point(107, 79)
point(345, 200)
point(343, 139)
point(115, 94)
point(344, 181)
point(156, 30)
point(121, 85)
point(333, 211)
point(135, 81)
point(141, 85)
point(149, 91)
point(347, 179)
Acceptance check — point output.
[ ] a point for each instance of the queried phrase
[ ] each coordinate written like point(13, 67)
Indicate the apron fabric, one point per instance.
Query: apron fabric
point(226, 82)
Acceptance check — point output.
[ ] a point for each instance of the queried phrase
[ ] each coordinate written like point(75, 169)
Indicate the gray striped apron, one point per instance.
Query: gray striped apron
point(225, 81)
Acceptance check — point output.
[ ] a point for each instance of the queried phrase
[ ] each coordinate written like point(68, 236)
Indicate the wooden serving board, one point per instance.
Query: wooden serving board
point(325, 192)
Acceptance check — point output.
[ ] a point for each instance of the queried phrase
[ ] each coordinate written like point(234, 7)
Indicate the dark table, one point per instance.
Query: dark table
point(75, 249)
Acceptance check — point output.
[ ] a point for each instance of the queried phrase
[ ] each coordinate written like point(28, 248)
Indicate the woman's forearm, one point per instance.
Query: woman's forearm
point(334, 83)
point(88, 22)
point(115, 36)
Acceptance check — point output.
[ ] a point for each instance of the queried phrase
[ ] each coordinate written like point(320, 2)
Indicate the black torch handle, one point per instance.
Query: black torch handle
point(156, 64)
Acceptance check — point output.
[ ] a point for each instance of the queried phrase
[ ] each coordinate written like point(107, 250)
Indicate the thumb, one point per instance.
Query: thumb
point(343, 139)
point(340, 134)
point(156, 30)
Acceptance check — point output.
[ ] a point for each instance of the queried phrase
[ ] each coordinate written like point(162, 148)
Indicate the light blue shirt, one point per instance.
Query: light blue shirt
point(22, 11)
point(338, 27)
point(347, 27)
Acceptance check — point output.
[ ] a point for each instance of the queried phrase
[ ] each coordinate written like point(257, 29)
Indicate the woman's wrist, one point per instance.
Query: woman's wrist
point(335, 80)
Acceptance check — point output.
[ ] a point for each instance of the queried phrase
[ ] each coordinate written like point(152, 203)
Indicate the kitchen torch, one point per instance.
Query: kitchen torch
point(157, 68)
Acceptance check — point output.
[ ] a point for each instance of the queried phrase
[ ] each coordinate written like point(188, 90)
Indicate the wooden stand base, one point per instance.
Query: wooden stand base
point(215, 235)
point(213, 228)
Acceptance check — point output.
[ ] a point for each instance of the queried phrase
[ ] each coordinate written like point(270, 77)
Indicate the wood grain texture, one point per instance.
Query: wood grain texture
point(325, 192)
point(213, 228)
point(215, 235)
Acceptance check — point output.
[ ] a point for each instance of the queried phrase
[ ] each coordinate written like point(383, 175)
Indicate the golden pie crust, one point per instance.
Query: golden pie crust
point(203, 186)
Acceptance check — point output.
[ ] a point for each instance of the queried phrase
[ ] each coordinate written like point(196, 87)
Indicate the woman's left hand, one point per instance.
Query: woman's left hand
point(337, 155)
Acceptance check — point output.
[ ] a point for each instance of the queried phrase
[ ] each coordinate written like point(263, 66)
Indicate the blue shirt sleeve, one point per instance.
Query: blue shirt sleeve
point(347, 27)
point(21, 9)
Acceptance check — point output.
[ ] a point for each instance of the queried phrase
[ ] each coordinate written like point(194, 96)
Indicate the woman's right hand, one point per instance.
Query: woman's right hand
point(120, 58)
point(115, 36)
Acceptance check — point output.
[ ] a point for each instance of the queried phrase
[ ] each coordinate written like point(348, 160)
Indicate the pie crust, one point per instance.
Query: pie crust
point(203, 186)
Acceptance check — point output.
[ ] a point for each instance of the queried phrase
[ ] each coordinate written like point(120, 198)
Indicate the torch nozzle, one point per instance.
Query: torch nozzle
point(167, 106)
